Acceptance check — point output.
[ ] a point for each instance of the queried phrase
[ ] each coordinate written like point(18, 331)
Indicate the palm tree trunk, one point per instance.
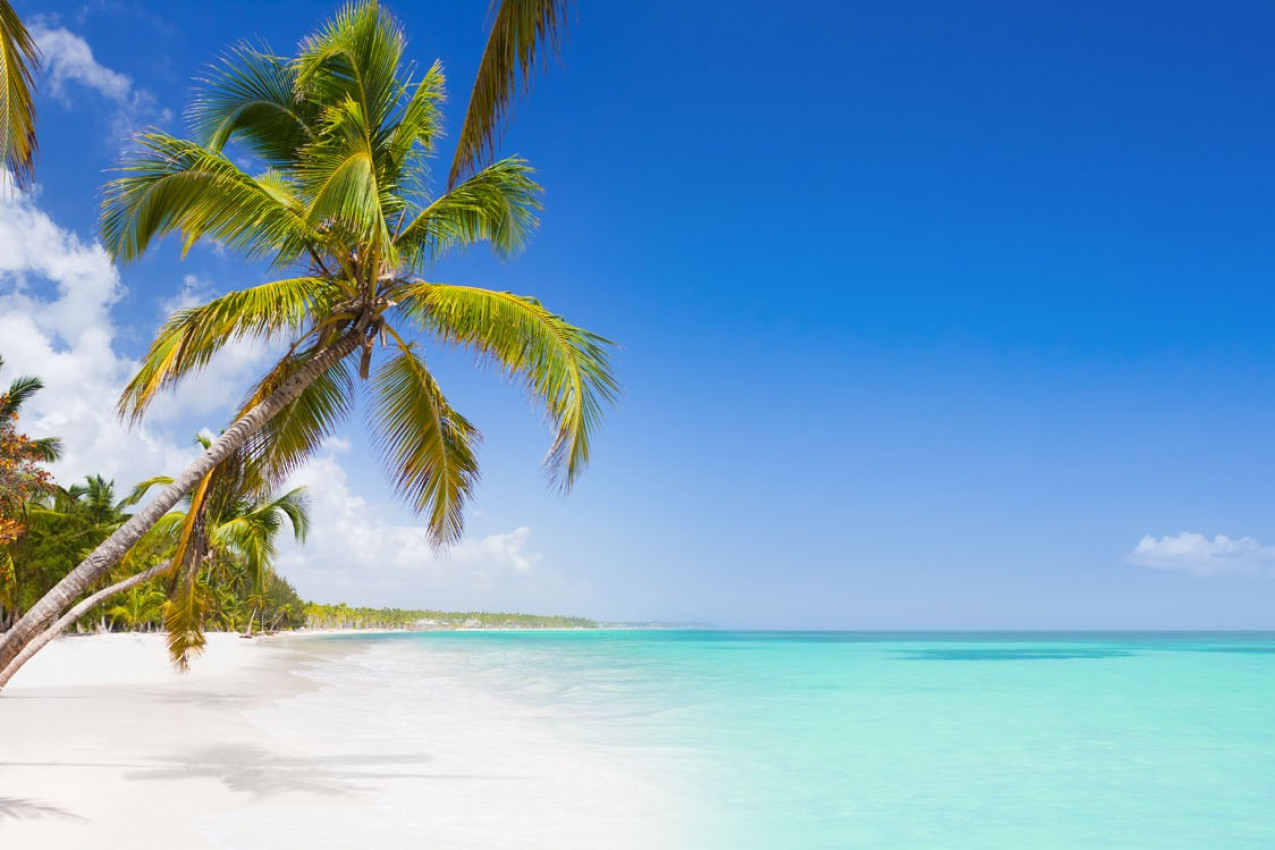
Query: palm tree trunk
point(69, 618)
point(109, 553)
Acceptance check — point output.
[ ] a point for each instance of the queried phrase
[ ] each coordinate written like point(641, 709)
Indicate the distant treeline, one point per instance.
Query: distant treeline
point(342, 616)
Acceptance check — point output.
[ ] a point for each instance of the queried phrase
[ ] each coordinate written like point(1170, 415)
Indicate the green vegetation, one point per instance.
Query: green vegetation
point(19, 61)
point(343, 213)
point(343, 616)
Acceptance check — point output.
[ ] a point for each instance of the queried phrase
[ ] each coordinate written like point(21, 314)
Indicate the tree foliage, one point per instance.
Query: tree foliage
point(19, 61)
point(343, 133)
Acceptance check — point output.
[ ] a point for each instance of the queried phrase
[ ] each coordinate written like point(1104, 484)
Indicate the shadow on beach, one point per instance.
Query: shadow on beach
point(14, 808)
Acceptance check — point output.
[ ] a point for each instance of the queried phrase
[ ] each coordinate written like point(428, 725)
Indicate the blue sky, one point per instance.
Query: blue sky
point(933, 315)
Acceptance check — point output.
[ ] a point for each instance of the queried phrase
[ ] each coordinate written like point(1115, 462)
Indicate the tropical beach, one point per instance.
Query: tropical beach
point(559, 424)
point(272, 741)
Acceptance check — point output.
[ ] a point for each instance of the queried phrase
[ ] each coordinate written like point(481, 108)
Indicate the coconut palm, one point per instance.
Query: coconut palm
point(342, 207)
point(19, 60)
point(142, 608)
point(233, 533)
point(229, 528)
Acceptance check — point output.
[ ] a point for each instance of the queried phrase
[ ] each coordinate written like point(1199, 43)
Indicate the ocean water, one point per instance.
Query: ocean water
point(848, 740)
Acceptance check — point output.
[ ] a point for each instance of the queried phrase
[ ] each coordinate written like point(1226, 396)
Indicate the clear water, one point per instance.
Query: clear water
point(839, 740)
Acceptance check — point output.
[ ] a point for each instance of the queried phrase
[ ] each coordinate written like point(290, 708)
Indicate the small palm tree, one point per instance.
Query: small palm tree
point(19, 61)
point(232, 530)
point(341, 203)
point(141, 608)
point(230, 526)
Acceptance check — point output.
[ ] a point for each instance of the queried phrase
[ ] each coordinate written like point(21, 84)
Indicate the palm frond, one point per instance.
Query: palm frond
point(340, 180)
point(140, 489)
point(251, 95)
point(427, 448)
point(564, 367)
point(20, 391)
point(187, 604)
point(192, 337)
point(19, 61)
point(420, 123)
point(521, 32)
point(356, 57)
point(173, 185)
point(47, 449)
point(496, 205)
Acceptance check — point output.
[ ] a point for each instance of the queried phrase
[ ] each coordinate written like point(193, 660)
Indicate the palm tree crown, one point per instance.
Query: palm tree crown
point(342, 132)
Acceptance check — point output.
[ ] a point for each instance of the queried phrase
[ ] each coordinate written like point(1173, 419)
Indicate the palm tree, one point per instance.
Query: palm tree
point(232, 532)
point(229, 527)
point(141, 608)
point(342, 205)
point(19, 61)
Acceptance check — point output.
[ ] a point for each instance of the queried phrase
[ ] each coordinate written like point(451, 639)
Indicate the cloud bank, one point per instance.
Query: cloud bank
point(1201, 556)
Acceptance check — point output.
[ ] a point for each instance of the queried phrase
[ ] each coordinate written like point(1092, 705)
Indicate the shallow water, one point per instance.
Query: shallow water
point(832, 740)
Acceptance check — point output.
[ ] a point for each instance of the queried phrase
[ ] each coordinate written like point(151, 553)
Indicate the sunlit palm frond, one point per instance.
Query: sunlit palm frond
point(340, 181)
point(295, 505)
point(187, 604)
point(521, 32)
point(496, 205)
point(173, 185)
point(140, 489)
point(47, 449)
point(191, 337)
point(421, 122)
point(251, 96)
point(427, 448)
point(566, 368)
point(19, 61)
point(356, 56)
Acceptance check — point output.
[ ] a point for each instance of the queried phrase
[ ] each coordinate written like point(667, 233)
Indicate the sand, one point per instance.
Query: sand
point(290, 742)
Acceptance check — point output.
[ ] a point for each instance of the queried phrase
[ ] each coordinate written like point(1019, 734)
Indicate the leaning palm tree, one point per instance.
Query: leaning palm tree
point(19, 60)
point(342, 207)
point(233, 527)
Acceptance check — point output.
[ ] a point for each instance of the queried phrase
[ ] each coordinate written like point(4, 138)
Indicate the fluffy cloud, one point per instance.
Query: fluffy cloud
point(361, 551)
point(1202, 556)
point(69, 59)
point(56, 294)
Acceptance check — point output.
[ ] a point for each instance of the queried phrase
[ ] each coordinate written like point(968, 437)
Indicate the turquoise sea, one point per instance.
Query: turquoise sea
point(846, 740)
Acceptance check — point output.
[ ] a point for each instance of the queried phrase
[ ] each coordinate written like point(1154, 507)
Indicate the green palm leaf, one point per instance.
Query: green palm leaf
point(426, 447)
point(520, 33)
point(19, 60)
point(192, 337)
point(289, 439)
point(496, 205)
point(566, 368)
point(172, 185)
point(252, 96)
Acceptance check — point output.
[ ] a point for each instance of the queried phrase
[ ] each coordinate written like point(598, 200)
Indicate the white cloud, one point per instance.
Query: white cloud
point(1202, 556)
point(56, 296)
point(69, 59)
point(360, 551)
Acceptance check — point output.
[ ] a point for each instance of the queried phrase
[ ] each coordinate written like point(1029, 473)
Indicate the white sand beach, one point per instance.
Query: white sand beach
point(289, 742)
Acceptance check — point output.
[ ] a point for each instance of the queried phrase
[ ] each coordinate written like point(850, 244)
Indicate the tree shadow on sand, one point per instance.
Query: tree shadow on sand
point(250, 769)
point(15, 808)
